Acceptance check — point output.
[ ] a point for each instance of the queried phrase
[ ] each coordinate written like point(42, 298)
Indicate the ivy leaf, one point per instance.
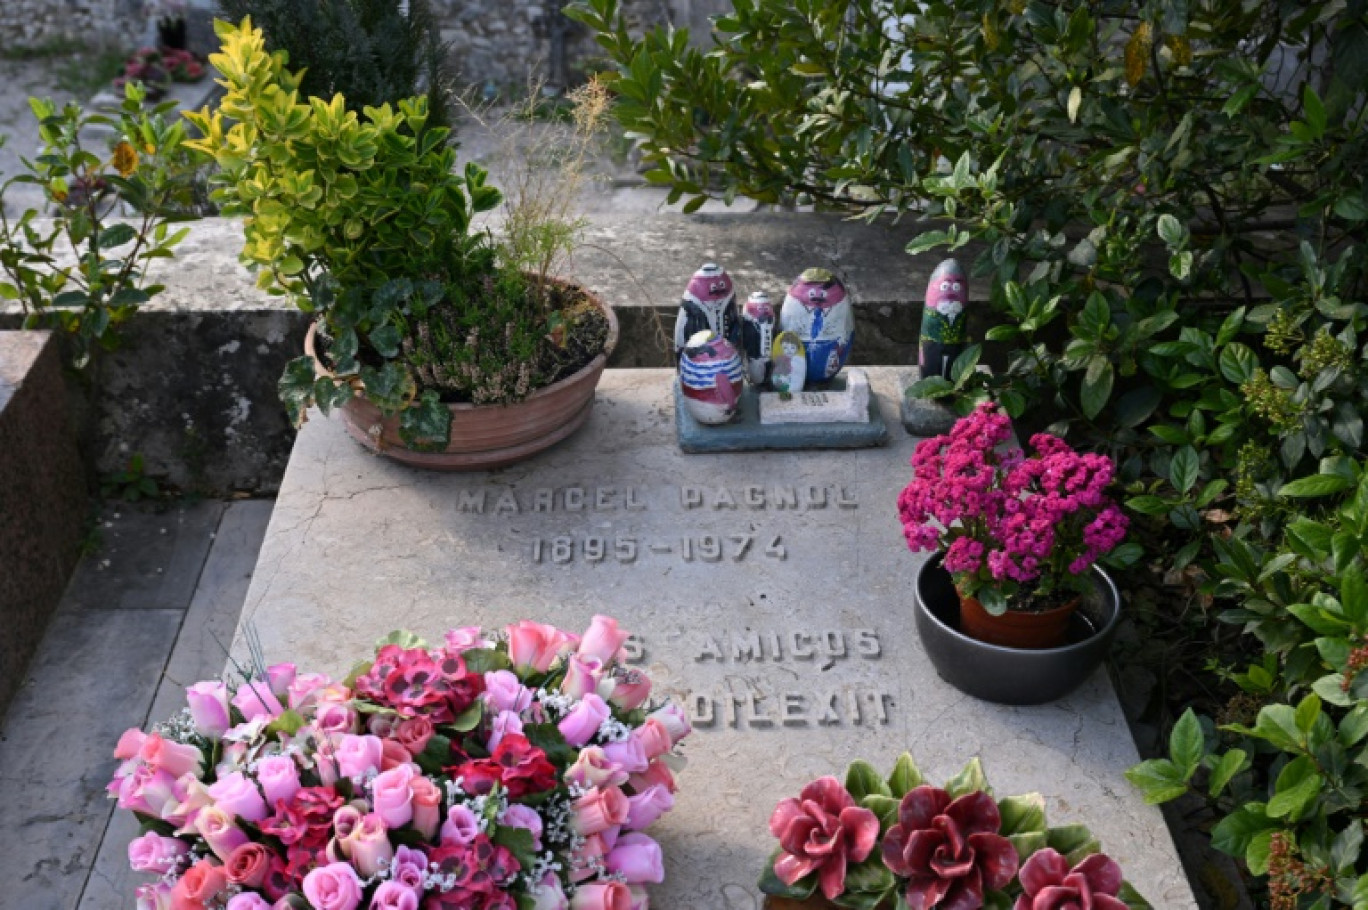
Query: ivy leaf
point(388, 388)
point(296, 388)
point(425, 426)
point(386, 340)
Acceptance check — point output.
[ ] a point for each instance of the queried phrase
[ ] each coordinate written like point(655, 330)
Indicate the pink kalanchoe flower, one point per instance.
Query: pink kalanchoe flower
point(822, 831)
point(949, 851)
point(1049, 883)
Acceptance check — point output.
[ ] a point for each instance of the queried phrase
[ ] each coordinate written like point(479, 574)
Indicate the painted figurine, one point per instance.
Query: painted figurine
point(710, 378)
point(943, 335)
point(788, 372)
point(757, 336)
point(818, 310)
point(709, 303)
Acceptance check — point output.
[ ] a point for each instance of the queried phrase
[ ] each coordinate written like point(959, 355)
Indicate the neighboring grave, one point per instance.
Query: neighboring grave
point(769, 593)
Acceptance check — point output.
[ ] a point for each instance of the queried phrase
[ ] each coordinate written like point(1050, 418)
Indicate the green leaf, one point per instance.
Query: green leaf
point(1238, 362)
point(386, 340)
point(969, 779)
point(1186, 743)
point(1022, 814)
point(905, 777)
point(1298, 785)
point(1136, 406)
point(287, 722)
point(388, 388)
point(1148, 505)
point(869, 876)
point(517, 841)
point(1315, 485)
point(930, 387)
point(885, 807)
point(403, 638)
point(1230, 764)
point(965, 363)
point(1183, 469)
point(928, 240)
point(1314, 110)
point(1233, 834)
point(1097, 385)
point(116, 235)
point(485, 660)
point(425, 426)
point(1158, 780)
point(1352, 207)
point(296, 388)
point(1171, 230)
point(1354, 597)
point(470, 718)
point(330, 393)
point(863, 779)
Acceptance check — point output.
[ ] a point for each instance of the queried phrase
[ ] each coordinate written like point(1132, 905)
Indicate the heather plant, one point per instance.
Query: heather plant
point(1017, 531)
point(81, 267)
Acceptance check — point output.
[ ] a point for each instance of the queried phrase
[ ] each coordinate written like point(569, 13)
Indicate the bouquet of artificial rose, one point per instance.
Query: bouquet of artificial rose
point(873, 843)
point(1017, 531)
point(509, 771)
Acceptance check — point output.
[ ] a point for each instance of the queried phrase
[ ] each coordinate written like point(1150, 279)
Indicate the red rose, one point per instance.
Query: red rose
point(201, 883)
point(413, 734)
point(822, 831)
point(950, 852)
point(1050, 884)
point(248, 864)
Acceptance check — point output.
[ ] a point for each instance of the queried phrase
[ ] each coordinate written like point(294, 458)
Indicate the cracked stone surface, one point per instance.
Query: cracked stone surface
point(358, 546)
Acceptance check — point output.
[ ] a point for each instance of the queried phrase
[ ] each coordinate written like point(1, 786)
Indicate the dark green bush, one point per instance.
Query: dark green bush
point(1171, 200)
point(372, 51)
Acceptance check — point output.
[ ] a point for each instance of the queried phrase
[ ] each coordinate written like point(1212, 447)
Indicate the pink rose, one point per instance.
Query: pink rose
point(248, 864)
point(129, 744)
point(413, 733)
point(822, 831)
point(460, 828)
point(248, 900)
point(280, 677)
point(255, 699)
point(603, 639)
point(208, 703)
point(593, 768)
point(1049, 884)
point(198, 887)
point(637, 858)
point(505, 723)
point(279, 778)
point(548, 894)
point(640, 899)
point(150, 791)
point(305, 688)
point(427, 806)
point(647, 806)
point(355, 756)
point(582, 675)
point(219, 832)
point(587, 861)
point(172, 757)
point(631, 688)
point(519, 816)
point(335, 717)
point(409, 868)
point(534, 646)
point(236, 795)
point(394, 896)
point(333, 887)
point(599, 810)
point(654, 738)
point(393, 754)
point(629, 755)
point(463, 639)
point(155, 853)
point(153, 896)
point(675, 720)
point(392, 795)
point(584, 720)
point(503, 692)
point(602, 896)
point(657, 773)
point(344, 822)
point(367, 846)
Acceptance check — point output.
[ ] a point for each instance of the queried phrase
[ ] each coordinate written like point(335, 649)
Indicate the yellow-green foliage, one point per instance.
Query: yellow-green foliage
point(325, 192)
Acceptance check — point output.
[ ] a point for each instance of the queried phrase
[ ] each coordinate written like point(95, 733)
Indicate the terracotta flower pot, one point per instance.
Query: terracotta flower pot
point(1012, 676)
point(488, 436)
point(1015, 629)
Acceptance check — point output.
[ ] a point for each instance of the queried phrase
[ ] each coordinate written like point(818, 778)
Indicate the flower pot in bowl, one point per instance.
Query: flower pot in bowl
point(1007, 675)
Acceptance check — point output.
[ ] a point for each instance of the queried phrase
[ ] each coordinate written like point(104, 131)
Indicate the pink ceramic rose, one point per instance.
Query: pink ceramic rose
point(333, 887)
point(822, 831)
point(603, 639)
point(949, 851)
point(1049, 884)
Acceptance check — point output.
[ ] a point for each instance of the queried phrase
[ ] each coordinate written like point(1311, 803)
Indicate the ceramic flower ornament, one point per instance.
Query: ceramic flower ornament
point(948, 850)
point(822, 831)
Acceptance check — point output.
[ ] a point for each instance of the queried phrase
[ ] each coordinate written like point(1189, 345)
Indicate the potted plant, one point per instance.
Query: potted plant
point(437, 347)
point(1017, 537)
point(872, 843)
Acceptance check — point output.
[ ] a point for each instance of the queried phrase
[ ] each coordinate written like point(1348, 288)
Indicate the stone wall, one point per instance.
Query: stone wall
point(506, 46)
point(33, 23)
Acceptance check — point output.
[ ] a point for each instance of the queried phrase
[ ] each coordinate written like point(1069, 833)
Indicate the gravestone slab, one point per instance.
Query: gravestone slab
point(769, 593)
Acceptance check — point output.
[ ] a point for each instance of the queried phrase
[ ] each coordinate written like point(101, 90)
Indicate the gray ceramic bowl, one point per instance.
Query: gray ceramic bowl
point(1012, 676)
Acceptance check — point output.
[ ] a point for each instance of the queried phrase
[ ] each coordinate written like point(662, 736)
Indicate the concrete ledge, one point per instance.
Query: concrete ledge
point(42, 498)
point(193, 386)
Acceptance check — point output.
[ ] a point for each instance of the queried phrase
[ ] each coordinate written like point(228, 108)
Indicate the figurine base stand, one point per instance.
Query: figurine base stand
point(745, 432)
point(925, 416)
